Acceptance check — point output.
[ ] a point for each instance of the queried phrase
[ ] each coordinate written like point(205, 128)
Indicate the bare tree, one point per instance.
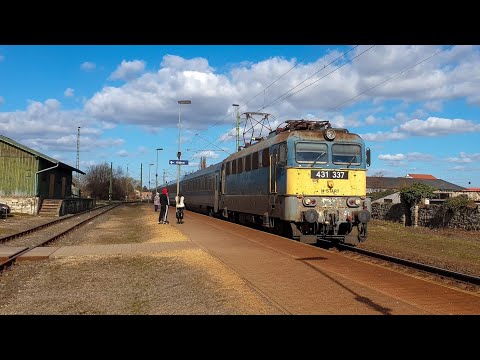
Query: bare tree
point(96, 182)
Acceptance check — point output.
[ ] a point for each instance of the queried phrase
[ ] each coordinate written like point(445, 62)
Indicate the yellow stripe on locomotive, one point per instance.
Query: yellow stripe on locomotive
point(322, 182)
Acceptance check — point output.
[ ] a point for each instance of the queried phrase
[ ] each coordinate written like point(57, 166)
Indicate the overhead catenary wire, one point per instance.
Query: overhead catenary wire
point(323, 77)
point(281, 98)
point(383, 82)
point(324, 67)
point(261, 92)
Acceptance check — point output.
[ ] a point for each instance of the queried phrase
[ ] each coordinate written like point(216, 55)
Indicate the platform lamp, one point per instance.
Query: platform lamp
point(156, 173)
point(149, 186)
point(179, 154)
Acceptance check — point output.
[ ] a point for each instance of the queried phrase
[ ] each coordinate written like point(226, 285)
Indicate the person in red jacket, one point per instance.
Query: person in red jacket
point(164, 203)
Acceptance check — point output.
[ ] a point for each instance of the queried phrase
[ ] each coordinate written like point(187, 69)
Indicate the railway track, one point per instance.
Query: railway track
point(43, 235)
point(429, 269)
point(446, 274)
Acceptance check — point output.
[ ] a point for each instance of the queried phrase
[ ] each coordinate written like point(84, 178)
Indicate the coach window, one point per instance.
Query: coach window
point(315, 153)
point(347, 154)
point(248, 164)
point(234, 166)
point(265, 158)
point(228, 168)
point(255, 160)
point(240, 165)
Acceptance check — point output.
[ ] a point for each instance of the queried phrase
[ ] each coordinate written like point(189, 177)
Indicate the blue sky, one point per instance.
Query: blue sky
point(416, 106)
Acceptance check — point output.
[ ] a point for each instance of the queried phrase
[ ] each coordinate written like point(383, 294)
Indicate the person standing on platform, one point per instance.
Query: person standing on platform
point(164, 203)
point(180, 205)
point(156, 201)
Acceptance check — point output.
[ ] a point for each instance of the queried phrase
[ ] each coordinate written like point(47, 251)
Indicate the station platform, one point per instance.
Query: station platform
point(43, 253)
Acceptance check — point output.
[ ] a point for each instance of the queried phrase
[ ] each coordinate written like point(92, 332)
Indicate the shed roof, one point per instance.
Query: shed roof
point(380, 182)
point(422, 176)
point(36, 153)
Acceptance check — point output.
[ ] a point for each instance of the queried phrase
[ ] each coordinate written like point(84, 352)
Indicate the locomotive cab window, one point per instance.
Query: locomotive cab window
point(347, 154)
point(311, 153)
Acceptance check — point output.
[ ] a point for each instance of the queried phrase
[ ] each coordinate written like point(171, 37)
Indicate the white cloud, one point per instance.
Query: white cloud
point(416, 156)
point(388, 157)
point(419, 113)
point(434, 106)
point(47, 128)
point(431, 127)
point(122, 153)
point(465, 158)
point(401, 117)
point(383, 136)
point(69, 92)
point(207, 154)
point(434, 126)
point(153, 95)
point(370, 120)
point(150, 99)
point(128, 70)
point(88, 66)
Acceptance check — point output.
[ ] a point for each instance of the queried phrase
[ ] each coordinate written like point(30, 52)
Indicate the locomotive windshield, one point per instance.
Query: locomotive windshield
point(311, 152)
point(350, 154)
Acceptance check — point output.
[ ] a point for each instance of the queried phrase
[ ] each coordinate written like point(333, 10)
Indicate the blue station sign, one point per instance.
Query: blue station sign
point(178, 162)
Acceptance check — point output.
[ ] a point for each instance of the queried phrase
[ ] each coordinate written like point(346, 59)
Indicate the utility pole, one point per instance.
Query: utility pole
point(78, 160)
point(164, 173)
point(149, 186)
point(110, 188)
point(141, 184)
point(237, 138)
point(127, 183)
point(156, 173)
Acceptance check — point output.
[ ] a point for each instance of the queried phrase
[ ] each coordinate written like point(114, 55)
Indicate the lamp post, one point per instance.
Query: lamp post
point(156, 173)
point(179, 153)
point(149, 186)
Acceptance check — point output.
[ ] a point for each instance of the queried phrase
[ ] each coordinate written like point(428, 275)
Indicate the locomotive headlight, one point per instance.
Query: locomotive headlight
point(353, 202)
point(309, 202)
point(330, 134)
point(311, 215)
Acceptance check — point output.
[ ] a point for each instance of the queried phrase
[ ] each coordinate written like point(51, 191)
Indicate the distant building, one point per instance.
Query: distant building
point(472, 194)
point(444, 189)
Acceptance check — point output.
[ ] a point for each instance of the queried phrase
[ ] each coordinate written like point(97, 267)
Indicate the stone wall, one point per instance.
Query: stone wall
point(434, 216)
point(21, 205)
point(28, 205)
point(76, 205)
point(388, 211)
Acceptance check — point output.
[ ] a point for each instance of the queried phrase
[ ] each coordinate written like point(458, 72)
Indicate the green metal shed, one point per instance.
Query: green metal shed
point(25, 172)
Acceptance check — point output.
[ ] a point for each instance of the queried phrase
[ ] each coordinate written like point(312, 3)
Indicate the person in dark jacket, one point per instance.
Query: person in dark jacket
point(164, 203)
